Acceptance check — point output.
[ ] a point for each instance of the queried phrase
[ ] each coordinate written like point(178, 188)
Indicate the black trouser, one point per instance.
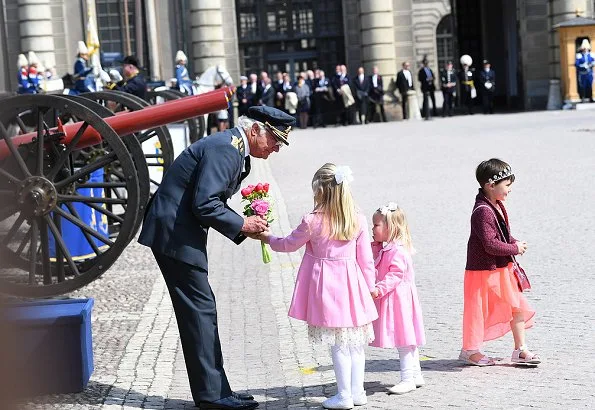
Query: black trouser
point(487, 100)
point(320, 105)
point(467, 100)
point(196, 313)
point(431, 93)
point(404, 105)
point(425, 111)
point(362, 106)
point(447, 107)
point(372, 111)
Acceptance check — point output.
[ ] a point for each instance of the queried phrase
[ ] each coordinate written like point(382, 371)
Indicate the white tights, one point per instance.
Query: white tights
point(349, 363)
point(409, 361)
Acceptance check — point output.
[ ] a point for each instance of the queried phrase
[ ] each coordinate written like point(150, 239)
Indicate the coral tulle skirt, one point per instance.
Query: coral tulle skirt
point(491, 298)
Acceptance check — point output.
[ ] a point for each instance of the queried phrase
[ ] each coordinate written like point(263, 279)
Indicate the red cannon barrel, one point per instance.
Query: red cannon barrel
point(129, 122)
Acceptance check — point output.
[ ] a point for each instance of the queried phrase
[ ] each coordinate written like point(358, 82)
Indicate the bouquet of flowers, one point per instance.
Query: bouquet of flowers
point(258, 204)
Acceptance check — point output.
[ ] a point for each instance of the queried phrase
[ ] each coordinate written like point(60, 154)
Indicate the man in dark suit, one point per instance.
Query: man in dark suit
point(361, 85)
point(191, 199)
point(254, 91)
point(487, 82)
point(428, 88)
point(405, 84)
point(242, 95)
point(448, 82)
point(376, 96)
point(323, 97)
point(268, 93)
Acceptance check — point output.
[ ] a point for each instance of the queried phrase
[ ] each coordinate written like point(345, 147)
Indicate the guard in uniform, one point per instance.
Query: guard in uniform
point(82, 70)
point(191, 199)
point(183, 80)
point(466, 77)
point(584, 65)
point(448, 81)
point(487, 81)
point(33, 72)
point(133, 81)
point(25, 86)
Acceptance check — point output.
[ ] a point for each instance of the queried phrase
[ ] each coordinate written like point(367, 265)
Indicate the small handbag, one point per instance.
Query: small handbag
point(519, 273)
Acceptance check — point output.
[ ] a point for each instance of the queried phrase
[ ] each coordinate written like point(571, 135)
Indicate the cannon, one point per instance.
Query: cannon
point(77, 179)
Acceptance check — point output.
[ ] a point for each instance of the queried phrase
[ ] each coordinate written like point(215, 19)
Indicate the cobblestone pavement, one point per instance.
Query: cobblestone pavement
point(429, 169)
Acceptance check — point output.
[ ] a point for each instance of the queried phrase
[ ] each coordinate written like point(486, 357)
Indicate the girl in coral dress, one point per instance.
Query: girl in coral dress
point(335, 279)
point(494, 304)
point(400, 322)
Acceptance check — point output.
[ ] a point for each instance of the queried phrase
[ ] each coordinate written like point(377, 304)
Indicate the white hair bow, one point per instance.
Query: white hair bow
point(390, 207)
point(343, 174)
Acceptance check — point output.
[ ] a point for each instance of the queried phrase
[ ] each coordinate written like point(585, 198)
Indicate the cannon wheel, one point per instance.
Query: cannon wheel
point(124, 101)
point(196, 125)
point(38, 194)
point(138, 157)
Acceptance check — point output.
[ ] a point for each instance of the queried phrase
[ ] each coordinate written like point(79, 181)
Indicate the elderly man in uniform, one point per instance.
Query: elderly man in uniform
point(487, 82)
point(191, 199)
point(133, 81)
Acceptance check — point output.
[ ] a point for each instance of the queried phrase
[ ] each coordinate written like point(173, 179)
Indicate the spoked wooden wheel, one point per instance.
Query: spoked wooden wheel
point(53, 235)
point(113, 173)
point(196, 125)
point(156, 142)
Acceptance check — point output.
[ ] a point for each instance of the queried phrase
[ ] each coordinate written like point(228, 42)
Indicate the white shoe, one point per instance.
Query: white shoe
point(337, 402)
point(402, 387)
point(419, 381)
point(360, 399)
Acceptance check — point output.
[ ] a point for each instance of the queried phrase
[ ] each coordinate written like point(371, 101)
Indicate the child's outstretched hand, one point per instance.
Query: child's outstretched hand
point(264, 236)
point(522, 247)
point(375, 294)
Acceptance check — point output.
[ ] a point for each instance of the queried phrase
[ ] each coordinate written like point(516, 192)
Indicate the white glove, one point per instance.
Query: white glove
point(115, 76)
point(105, 78)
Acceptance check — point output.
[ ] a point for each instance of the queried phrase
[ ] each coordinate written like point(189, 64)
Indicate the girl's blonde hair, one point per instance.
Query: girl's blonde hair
point(396, 222)
point(336, 202)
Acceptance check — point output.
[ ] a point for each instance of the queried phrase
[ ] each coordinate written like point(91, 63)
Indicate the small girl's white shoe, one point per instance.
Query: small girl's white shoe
point(419, 381)
point(360, 399)
point(337, 402)
point(402, 387)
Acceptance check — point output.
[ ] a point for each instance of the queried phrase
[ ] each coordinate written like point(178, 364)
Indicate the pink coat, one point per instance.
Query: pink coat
point(333, 284)
point(400, 321)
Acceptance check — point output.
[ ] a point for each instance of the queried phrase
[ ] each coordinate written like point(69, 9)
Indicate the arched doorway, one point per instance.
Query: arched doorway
point(445, 41)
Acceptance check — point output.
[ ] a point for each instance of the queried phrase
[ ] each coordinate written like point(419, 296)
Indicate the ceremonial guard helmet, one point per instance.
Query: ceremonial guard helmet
point(32, 57)
point(82, 48)
point(180, 56)
point(22, 61)
point(585, 45)
point(466, 60)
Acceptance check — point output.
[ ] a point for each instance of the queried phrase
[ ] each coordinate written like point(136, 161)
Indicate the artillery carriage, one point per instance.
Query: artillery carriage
point(65, 157)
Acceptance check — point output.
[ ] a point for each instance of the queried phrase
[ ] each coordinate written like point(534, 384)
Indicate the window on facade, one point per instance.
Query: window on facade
point(303, 22)
point(111, 25)
point(277, 22)
point(444, 40)
point(248, 25)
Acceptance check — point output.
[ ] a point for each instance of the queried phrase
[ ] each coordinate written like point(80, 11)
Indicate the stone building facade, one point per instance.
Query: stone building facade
point(292, 35)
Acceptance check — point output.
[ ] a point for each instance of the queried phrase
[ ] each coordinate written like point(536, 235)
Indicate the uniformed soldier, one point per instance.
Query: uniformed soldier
point(191, 199)
point(33, 73)
point(466, 77)
point(584, 65)
point(487, 81)
point(25, 86)
point(133, 81)
point(82, 70)
point(182, 77)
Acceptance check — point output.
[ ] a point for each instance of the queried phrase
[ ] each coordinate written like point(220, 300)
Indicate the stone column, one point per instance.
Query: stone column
point(206, 33)
point(378, 36)
point(403, 32)
point(35, 29)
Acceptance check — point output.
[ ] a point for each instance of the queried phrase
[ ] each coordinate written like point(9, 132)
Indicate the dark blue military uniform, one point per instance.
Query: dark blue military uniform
point(135, 85)
point(191, 199)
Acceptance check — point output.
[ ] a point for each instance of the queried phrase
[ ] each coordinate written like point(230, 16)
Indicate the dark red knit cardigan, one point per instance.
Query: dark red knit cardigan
point(486, 249)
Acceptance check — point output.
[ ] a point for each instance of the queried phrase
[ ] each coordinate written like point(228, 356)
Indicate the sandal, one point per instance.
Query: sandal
point(483, 362)
point(528, 357)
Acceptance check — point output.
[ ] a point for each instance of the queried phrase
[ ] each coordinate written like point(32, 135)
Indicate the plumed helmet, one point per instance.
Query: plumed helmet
point(32, 57)
point(180, 56)
point(22, 61)
point(466, 60)
point(585, 45)
point(82, 48)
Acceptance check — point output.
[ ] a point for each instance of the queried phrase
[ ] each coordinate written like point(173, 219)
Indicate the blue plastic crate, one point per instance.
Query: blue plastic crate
point(46, 347)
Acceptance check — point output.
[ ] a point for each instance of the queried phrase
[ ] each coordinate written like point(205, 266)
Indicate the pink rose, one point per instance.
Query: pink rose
point(260, 207)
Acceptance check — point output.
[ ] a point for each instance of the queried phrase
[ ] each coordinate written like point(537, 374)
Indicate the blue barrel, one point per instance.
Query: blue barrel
point(73, 236)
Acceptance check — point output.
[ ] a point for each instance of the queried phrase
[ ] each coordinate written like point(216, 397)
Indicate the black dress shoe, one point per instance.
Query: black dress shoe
point(229, 402)
point(242, 396)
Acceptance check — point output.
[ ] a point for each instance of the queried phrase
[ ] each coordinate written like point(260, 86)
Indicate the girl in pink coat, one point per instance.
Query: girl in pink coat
point(400, 322)
point(335, 280)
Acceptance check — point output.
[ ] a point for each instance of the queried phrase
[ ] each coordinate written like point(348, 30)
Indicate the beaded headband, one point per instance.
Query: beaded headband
point(390, 207)
point(501, 175)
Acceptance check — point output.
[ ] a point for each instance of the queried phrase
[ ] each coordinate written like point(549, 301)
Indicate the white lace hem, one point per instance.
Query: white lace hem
point(341, 336)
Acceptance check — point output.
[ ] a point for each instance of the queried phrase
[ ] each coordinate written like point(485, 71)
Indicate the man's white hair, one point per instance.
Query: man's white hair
point(247, 123)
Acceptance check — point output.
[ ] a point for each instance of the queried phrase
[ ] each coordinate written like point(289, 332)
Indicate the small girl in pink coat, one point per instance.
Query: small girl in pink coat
point(400, 322)
point(335, 280)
